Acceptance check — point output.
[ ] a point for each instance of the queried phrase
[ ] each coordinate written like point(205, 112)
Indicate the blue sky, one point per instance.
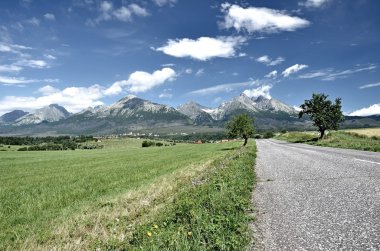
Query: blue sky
point(84, 53)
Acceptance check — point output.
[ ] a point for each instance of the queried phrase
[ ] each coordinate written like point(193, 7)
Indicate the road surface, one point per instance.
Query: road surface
point(316, 198)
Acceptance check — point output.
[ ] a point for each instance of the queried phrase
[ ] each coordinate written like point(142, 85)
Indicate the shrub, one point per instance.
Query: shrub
point(268, 135)
point(147, 143)
point(159, 144)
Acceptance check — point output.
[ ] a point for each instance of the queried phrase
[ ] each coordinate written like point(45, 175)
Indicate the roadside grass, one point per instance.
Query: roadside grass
point(370, 132)
point(209, 213)
point(338, 139)
point(71, 199)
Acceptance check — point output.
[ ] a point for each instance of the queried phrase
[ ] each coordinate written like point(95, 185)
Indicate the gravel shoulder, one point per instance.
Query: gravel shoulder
point(316, 198)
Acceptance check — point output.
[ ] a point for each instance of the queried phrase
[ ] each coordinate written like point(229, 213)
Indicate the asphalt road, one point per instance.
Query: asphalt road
point(316, 198)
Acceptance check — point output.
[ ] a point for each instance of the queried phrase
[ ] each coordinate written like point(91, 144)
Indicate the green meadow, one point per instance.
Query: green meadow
point(350, 139)
point(83, 199)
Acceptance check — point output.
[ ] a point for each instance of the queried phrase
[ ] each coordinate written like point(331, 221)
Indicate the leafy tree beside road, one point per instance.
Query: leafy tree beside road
point(241, 126)
point(324, 114)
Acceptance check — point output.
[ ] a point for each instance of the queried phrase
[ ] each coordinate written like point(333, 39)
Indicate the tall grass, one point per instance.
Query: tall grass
point(339, 139)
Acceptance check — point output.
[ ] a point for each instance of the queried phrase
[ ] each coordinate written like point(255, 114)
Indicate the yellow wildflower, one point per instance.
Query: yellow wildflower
point(155, 226)
point(149, 234)
point(189, 234)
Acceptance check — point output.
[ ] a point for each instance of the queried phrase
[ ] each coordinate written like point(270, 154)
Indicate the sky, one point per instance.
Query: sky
point(82, 53)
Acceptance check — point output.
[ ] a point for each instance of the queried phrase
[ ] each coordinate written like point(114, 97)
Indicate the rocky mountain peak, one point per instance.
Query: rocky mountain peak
point(50, 113)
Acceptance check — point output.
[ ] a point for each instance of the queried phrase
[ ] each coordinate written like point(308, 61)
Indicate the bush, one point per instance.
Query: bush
point(159, 144)
point(147, 143)
point(268, 135)
point(257, 136)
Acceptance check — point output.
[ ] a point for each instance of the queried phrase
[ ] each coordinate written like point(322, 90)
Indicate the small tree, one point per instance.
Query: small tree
point(324, 114)
point(241, 126)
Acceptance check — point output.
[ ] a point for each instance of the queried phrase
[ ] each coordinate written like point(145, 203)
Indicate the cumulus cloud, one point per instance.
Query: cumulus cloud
point(263, 90)
point(272, 74)
point(264, 20)
point(314, 3)
point(203, 48)
point(368, 111)
point(124, 13)
point(47, 89)
point(74, 99)
point(265, 59)
point(293, 69)
point(49, 16)
point(141, 81)
point(369, 85)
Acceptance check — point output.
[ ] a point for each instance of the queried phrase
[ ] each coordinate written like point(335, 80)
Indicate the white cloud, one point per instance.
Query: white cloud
point(293, 69)
point(164, 2)
point(141, 81)
point(115, 89)
point(259, 91)
point(203, 48)
point(221, 88)
point(47, 89)
point(188, 71)
point(200, 72)
point(165, 95)
point(49, 16)
point(272, 74)
point(33, 21)
point(332, 74)
point(138, 10)
point(74, 99)
point(265, 59)
point(13, 48)
point(371, 110)
point(21, 80)
point(106, 6)
point(168, 65)
point(265, 20)
point(297, 108)
point(369, 85)
point(124, 13)
point(48, 56)
point(315, 74)
point(39, 64)
point(314, 3)
point(15, 80)
point(10, 68)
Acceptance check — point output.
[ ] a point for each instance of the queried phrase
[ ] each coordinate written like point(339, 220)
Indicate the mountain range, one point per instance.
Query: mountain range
point(135, 114)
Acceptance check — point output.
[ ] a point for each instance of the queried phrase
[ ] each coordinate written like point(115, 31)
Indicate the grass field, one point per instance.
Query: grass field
point(85, 198)
point(366, 131)
point(339, 139)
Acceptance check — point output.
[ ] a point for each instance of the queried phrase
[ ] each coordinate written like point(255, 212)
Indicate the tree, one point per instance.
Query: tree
point(324, 114)
point(241, 126)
